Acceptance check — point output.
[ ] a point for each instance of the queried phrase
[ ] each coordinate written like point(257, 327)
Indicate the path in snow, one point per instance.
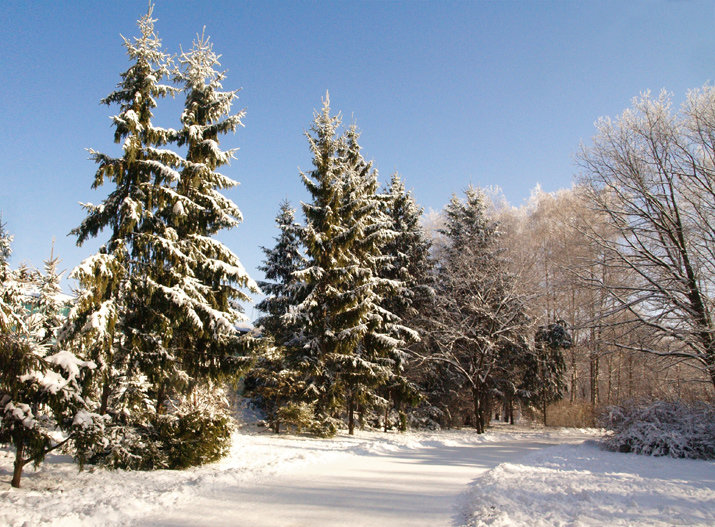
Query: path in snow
point(405, 487)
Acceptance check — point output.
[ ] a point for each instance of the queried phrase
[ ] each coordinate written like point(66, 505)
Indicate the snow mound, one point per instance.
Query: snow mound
point(586, 486)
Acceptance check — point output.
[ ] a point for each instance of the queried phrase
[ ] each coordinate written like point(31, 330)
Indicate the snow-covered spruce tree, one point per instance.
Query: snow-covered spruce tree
point(156, 303)
point(40, 385)
point(321, 314)
point(11, 301)
point(349, 338)
point(282, 288)
point(345, 331)
point(405, 259)
point(202, 281)
point(206, 280)
point(51, 304)
point(375, 363)
point(274, 377)
point(479, 317)
point(114, 319)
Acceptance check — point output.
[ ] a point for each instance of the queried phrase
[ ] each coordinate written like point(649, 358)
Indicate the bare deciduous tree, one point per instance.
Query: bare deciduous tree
point(651, 172)
point(479, 326)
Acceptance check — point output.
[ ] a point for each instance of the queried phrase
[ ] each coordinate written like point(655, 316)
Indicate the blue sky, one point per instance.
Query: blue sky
point(446, 93)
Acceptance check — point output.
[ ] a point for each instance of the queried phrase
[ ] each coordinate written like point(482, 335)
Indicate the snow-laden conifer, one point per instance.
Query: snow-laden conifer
point(204, 280)
point(406, 260)
point(348, 351)
point(41, 397)
point(112, 316)
point(325, 275)
point(378, 334)
point(275, 377)
point(281, 287)
point(157, 308)
point(11, 301)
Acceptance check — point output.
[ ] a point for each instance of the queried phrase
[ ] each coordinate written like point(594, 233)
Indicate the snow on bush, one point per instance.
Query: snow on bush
point(663, 428)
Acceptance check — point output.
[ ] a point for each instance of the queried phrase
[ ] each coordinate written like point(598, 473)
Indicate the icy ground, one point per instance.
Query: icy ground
point(505, 477)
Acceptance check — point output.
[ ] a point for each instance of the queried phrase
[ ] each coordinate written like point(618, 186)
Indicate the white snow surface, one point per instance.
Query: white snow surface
point(505, 477)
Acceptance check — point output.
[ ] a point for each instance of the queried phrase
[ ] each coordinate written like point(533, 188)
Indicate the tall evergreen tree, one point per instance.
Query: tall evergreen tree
point(405, 260)
point(275, 375)
point(323, 313)
point(158, 303)
point(377, 333)
point(408, 253)
point(347, 333)
point(111, 314)
point(282, 288)
point(205, 280)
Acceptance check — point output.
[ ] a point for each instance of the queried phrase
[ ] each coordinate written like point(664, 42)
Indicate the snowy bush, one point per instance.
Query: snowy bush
point(194, 430)
point(296, 415)
point(195, 438)
point(663, 428)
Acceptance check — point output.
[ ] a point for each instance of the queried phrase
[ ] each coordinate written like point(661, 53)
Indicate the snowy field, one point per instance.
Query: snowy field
point(506, 477)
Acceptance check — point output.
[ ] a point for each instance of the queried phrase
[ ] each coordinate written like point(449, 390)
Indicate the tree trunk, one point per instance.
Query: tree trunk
point(387, 415)
point(475, 409)
point(594, 379)
point(609, 367)
point(572, 395)
point(477, 400)
point(160, 396)
point(574, 346)
point(104, 399)
point(486, 410)
point(19, 462)
point(351, 416)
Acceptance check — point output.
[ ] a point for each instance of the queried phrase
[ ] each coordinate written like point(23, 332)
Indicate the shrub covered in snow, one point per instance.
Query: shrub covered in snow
point(193, 431)
point(663, 428)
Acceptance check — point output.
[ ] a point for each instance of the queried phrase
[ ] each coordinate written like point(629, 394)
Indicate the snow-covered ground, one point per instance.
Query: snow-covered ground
point(505, 477)
point(581, 485)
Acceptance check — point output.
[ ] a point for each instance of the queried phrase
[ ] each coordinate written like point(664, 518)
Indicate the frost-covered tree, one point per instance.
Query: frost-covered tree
point(324, 314)
point(479, 322)
point(204, 280)
point(407, 253)
point(40, 384)
point(377, 333)
point(110, 311)
point(281, 287)
point(114, 319)
point(11, 301)
point(548, 380)
point(347, 334)
point(51, 305)
point(650, 173)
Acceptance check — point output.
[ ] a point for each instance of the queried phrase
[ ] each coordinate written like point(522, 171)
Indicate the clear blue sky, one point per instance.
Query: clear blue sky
point(446, 93)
